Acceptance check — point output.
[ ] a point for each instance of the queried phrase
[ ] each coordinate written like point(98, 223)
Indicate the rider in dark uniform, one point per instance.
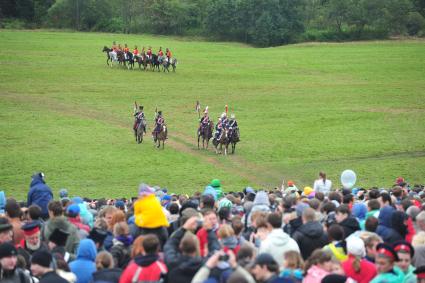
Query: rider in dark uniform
point(159, 122)
point(204, 121)
point(139, 116)
point(233, 125)
point(218, 129)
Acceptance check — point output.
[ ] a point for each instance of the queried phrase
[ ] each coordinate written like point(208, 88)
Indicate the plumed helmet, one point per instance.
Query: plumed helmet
point(232, 116)
point(223, 115)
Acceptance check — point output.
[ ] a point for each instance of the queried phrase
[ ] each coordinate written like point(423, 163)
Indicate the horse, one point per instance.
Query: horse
point(109, 55)
point(222, 140)
point(160, 136)
point(154, 62)
point(233, 136)
point(166, 64)
point(130, 59)
point(140, 130)
point(206, 133)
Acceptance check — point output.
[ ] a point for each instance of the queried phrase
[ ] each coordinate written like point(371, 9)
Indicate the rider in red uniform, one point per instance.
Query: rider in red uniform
point(135, 51)
point(168, 54)
point(149, 52)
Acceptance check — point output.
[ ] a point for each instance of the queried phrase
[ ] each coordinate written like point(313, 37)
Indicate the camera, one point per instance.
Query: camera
point(224, 257)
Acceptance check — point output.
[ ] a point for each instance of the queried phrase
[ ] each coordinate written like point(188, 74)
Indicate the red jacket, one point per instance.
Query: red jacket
point(202, 235)
point(410, 230)
point(367, 270)
point(150, 273)
point(77, 223)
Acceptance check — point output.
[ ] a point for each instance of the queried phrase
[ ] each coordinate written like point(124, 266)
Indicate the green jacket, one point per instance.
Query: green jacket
point(389, 277)
point(409, 276)
point(62, 222)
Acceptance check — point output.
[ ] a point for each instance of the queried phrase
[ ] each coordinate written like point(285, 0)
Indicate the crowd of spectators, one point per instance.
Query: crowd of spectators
point(287, 234)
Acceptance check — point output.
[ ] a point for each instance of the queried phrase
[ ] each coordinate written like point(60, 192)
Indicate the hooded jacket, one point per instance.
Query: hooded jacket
point(315, 274)
point(148, 213)
point(309, 237)
point(109, 275)
point(366, 273)
point(385, 230)
point(350, 225)
point(39, 194)
point(62, 223)
point(147, 268)
point(277, 243)
point(261, 203)
point(84, 266)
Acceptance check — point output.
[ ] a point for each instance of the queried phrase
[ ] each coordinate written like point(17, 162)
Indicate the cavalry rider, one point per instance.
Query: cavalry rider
point(119, 47)
point(135, 51)
point(204, 121)
point(149, 53)
point(159, 122)
point(218, 129)
point(168, 54)
point(143, 53)
point(139, 116)
point(160, 55)
point(233, 124)
point(113, 53)
point(224, 120)
point(114, 46)
point(125, 50)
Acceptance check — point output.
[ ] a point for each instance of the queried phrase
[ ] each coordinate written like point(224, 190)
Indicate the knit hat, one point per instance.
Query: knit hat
point(355, 246)
point(42, 258)
point(224, 203)
point(7, 250)
point(145, 190)
point(63, 193)
point(120, 204)
point(59, 237)
point(215, 183)
point(73, 210)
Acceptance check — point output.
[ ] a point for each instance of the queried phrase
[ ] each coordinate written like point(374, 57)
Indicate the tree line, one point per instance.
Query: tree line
point(258, 22)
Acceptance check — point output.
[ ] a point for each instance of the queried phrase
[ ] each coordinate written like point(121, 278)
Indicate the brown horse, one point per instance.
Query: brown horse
point(222, 140)
point(205, 132)
point(160, 136)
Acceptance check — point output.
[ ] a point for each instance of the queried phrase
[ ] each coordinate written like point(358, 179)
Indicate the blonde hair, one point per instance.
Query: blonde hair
point(225, 231)
point(418, 239)
point(293, 260)
point(104, 260)
point(121, 229)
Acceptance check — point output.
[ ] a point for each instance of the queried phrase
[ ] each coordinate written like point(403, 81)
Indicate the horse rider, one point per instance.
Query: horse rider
point(135, 51)
point(113, 53)
point(149, 53)
point(159, 123)
point(143, 53)
point(218, 129)
point(224, 120)
point(204, 121)
point(139, 116)
point(119, 47)
point(126, 49)
point(160, 55)
point(168, 54)
point(233, 124)
point(114, 46)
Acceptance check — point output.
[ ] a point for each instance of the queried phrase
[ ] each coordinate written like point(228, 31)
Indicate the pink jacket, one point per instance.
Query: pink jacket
point(315, 275)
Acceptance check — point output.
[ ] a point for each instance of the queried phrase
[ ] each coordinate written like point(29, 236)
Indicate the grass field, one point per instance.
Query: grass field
point(301, 109)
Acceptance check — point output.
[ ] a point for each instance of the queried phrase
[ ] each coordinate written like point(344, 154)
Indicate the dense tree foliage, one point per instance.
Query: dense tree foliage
point(258, 22)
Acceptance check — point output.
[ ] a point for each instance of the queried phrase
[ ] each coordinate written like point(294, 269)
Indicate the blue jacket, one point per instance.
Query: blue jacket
point(2, 202)
point(40, 194)
point(84, 266)
point(385, 229)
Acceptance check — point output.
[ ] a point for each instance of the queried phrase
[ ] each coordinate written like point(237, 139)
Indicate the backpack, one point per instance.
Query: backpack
point(139, 269)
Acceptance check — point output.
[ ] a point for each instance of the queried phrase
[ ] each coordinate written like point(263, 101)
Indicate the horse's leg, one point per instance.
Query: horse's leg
point(198, 141)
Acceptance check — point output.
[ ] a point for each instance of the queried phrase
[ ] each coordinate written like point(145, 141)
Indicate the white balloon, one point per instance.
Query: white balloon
point(348, 179)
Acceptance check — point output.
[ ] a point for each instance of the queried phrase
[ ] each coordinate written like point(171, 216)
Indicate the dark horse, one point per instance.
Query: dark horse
point(222, 140)
point(166, 65)
point(111, 59)
point(233, 136)
point(154, 62)
point(129, 58)
point(205, 132)
point(160, 136)
point(140, 130)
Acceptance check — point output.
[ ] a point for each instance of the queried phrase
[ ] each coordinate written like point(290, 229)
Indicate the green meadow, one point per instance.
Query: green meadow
point(301, 109)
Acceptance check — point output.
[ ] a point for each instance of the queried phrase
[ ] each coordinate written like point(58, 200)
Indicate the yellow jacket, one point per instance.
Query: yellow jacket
point(148, 213)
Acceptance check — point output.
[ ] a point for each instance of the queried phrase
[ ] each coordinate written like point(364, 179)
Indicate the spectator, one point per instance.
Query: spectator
point(84, 266)
point(98, 236)
point(205, 234)
point(40, 194)
point(387, 272)
point(317, 266)
point(347, 222)
point(106, 273)
point(147, 267)
point(216, 184)
point(9, 272)
point(384, 229)
point(355, 266)
point(293, 266)
point(228, 239)
point(359, 212)
point(14, 213)
point(34, 213)
point(310, 236)
point(41, 267)
point(31, 242)
point(322, 185)
point(373, 207)
point(337, 245)
point(420, 221)
point(6, 232)
point(405, 253)
point(58, 221)
point(137, 248)
point(261, 203)
point(277, 242)
point(121, 247)
point(57, 242)
point(73, 213)
point(371, 241)
point(371, 224)
point(2, 202)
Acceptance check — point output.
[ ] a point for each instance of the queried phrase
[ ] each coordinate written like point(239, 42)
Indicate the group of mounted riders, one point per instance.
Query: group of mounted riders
point(143, 57)
point(226, 130)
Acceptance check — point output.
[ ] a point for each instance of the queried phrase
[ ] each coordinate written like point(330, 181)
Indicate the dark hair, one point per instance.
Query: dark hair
point(397, 191)
point(250, 197)
point(406, 203)
point(150, 244)
point(275, 220)
point(173, 208)
point(374, 194)
point(34, 212)
point(224, 213)
point(374, 204)
point(328, 207)
point(12, 208)
point(237, 225)
point(344, 209)
point(371, 224)
point(237, 277)
point(335, 196)
point(314, 203)
point(55, 207)
point(318, 256)
point(323, 176)
point(208, 201)
point(346, 199)
point(386, 197)
point(320, 196)
point(189, 244)
point(335, 232)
